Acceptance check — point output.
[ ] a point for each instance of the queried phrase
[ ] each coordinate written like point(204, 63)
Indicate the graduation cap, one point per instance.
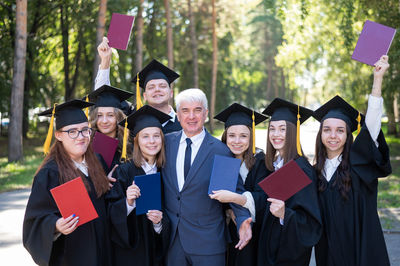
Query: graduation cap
point(153, 70)
point(340, 109)
point(237, 114)
point(108, 96)
point(280, 109)
point(67, 113)
point(146, 116)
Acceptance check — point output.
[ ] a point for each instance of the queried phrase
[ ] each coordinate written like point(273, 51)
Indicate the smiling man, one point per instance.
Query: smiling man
point(155, 79)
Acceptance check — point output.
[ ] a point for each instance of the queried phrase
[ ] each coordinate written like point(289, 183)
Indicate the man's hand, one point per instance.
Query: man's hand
point(245, 234)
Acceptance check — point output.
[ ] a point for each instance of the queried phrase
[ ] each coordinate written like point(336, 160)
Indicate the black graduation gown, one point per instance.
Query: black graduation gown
point(248, 255)
point(292, 242)
point(172, 126)
point(87, 245)
point(134, 241)
point(352, 230)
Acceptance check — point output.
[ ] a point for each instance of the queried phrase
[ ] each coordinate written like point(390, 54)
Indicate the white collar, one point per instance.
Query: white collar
point(149, 169)
point(243, 171)
point(196, 139)
point(334, 162)
point(82, 166)
point(172, 114)
point(278, 163)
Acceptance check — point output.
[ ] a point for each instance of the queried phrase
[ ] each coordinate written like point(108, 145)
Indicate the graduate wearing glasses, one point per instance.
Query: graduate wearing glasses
point(48, 237)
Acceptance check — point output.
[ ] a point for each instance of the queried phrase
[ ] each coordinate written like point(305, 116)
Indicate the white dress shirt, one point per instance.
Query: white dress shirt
point(180, 158)
point(250, 205)
point(331, 165)
point(172, 114)
point(148, 169)
point(82, 166)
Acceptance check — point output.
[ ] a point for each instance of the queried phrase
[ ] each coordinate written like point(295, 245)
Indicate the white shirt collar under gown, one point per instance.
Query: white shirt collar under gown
point(278, 163)
point(149, 169)
point(82, 166)
point(331, 165)
point(243, 171)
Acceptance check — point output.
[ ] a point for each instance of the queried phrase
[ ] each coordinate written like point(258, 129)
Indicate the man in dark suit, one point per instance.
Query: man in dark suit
point(197, 222)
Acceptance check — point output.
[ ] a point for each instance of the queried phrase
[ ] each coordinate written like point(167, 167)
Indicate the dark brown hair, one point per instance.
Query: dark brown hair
point(248, 156)
point(68, 171)
point(119, 115)
point(289, 149)
point(138, 156)
point(343, 180)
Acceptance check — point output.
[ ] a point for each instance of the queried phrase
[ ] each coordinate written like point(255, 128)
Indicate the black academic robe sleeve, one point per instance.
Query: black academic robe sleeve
point(41, 216)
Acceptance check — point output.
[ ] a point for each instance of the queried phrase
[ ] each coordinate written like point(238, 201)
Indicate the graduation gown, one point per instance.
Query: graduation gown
point(87, 245)
point(292, 242)
point(172, 126)
point(248, 255)
point(134, 241)
point(352, 230)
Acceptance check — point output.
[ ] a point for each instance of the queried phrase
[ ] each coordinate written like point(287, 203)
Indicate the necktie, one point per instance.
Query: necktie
point(188, 157)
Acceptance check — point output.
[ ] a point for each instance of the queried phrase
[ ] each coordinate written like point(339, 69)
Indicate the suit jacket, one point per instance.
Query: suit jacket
point(198, 219)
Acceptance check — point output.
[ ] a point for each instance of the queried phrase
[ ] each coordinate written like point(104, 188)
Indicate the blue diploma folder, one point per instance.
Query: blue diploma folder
point(150, 193)
point(225, 173)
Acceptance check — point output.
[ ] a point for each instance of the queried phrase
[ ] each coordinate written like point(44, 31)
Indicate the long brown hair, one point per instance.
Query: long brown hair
point(138, 156)
point(289, 149)
point(343, 180)
point(68, 171)
point(119, 115)
point(248, 156)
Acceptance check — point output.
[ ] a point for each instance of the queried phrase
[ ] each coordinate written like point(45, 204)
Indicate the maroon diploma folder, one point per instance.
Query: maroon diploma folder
point(105, 146)
point(119, 31)
point(73, 198)
point(285, 182)
point(374, 41)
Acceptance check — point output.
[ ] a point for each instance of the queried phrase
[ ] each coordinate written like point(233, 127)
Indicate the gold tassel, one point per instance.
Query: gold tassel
point(47, 142)
point(87, 108)
point(123, 155)
point(254, 134)
point(139, 103)
point(298, 132)
point(358, 123)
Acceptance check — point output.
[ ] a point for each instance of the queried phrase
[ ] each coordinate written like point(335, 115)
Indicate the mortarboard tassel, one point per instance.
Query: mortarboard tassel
point(123, 155)
point(298, 132)
point(358, 123)
point(87, 108)
point(47, 142)
point(139, 103)
point(254, 134)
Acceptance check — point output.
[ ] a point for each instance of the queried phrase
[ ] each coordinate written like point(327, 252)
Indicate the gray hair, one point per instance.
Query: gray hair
point(191, 95)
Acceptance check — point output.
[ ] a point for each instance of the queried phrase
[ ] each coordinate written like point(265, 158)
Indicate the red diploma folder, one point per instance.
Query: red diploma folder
point(374, 41)
point(73, 198)
point(119, 31)
point(285, 182)
point(105, 146)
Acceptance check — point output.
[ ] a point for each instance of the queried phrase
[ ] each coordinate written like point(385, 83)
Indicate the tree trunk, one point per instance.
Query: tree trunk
point(283, 88)
point(65, 39)
point(193, 41)
point(100, 30)
point(139, 39)
point(214, 66)
point(170, 42)
point(15, 149)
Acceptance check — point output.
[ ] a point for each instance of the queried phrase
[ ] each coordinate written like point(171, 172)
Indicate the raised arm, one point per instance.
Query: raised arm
point(103, 74)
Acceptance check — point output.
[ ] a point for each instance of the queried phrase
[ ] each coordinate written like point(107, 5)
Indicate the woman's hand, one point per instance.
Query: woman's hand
point(105, 53)
point(68, 225)
point(277, 208)
point(132, 193)
point(154, 216)
point(380, 68)
point(110, 178)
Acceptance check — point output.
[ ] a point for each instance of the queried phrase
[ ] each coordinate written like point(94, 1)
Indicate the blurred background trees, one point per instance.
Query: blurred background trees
point(248, 51)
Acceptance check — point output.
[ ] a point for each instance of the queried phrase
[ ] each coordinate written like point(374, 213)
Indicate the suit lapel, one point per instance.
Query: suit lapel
point(172, 155)
point(201, 156)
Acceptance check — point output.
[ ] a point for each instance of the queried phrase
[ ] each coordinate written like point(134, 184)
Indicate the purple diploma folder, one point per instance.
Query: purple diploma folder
point(105, 146)
point(119, 31)
point(374, 41)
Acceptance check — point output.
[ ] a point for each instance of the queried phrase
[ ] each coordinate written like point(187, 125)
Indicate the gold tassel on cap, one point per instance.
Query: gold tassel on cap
point(254, 134)
point(358, 123)
point(139, 103)
point(47, 142)
point(123, 155)
point(298, 132)
point(87, 108)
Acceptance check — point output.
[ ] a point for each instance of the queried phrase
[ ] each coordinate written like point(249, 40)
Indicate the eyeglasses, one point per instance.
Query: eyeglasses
point(73, 133)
